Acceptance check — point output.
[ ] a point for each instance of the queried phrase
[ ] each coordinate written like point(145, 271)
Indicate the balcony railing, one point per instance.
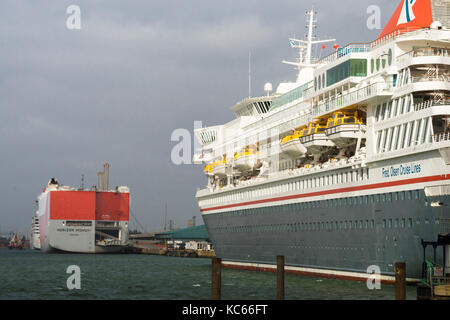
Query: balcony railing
point(424, 52)
point(439, 137)
point(373, 90)
point(431, 103)
point(442, 77)
point(342, 52)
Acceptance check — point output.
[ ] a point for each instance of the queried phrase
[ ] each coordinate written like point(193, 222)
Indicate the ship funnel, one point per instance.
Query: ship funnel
point(106, 176)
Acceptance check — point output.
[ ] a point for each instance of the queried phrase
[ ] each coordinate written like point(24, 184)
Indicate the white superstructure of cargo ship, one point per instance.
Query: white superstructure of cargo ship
point(35, 242)
point(348, 166)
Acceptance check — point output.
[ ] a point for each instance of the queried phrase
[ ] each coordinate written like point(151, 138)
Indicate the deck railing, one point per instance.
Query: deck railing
point(431, 103)
point(375, 89)
point(443, 136)
point(423, 52)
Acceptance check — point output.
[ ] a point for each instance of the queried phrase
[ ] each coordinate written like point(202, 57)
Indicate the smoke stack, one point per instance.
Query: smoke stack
point(106, 176)
point(100, 181)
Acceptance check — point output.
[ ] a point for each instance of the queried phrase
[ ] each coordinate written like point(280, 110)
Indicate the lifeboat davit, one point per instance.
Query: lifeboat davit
point(344, 128)
point(246, 161)
point(292, 147)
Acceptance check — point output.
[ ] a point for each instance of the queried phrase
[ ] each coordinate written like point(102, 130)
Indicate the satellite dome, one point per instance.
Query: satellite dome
point(268, 87)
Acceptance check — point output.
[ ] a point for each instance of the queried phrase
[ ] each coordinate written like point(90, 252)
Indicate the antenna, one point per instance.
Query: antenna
point(165, 217)
point(249, 74)
point(305, 59)
point(82, 182)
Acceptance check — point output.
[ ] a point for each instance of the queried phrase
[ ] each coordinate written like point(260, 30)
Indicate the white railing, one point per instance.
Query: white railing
point(384, 88)
point(342, 52)
point(431, 103)
point(442, 77)
point(423, 52)
point(397, 34)
point(445, 136)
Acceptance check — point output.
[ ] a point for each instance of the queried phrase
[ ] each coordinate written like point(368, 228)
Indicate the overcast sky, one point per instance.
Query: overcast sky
point(136, 71)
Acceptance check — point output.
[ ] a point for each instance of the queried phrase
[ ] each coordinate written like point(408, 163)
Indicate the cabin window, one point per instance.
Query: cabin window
point(379, 141)
point(377, 113)
point(411, 132)
point(389, 109)
point(419, 131)
point(394, 108)
point(383, 111)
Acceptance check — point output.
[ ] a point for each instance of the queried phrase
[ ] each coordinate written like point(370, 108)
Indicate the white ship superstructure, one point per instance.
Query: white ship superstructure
point(347, 167)
point(35, 242)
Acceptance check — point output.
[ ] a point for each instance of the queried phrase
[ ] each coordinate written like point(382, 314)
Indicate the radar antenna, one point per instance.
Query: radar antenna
point(305, 59)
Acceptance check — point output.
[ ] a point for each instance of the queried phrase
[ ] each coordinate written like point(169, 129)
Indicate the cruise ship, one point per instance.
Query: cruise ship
point(346, 168)
point(81, 220)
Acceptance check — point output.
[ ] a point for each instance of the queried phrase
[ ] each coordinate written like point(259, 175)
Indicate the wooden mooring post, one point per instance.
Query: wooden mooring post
point(280, 277)
point(216, 279)
point(400, 281)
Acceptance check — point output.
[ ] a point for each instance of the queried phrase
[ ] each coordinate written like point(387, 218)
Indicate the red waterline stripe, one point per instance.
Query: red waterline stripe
point(341, 190)
point(307, 273)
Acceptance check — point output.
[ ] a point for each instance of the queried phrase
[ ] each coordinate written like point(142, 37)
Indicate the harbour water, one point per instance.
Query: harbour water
point(33, 275)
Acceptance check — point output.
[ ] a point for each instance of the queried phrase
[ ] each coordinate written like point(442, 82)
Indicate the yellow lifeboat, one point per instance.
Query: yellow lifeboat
point(220, 167)
point(291, 146)
point(247, 160)
point(216, 168)
point(345, 128)
point(315, 139)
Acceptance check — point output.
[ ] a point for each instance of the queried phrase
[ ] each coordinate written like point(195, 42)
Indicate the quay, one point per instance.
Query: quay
point(188, 242)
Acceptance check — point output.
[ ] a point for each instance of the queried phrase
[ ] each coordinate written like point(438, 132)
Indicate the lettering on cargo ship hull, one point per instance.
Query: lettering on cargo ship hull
point(73, 230)
point(401, 170)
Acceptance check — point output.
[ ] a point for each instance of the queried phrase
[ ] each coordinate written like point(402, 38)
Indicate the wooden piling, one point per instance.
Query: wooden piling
point(280, 277)
point(216, 279)
point(400, 281)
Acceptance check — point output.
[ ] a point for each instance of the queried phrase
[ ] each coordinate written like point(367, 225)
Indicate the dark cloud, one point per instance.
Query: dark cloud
point(137, 70)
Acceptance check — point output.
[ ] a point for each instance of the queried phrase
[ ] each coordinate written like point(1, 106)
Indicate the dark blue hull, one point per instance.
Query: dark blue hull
point(348, 234)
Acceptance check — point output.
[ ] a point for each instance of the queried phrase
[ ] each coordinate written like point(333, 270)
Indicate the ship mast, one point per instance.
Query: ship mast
point(305, 59)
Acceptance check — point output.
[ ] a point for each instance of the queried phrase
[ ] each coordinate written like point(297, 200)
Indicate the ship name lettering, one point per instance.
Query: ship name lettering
point(402, 170)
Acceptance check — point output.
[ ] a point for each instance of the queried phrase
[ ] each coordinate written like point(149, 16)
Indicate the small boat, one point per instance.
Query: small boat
point(219, 168)
point(345, 128)
point(315, 139)
point(246, 161)
point(15, 243)
point(291, 146)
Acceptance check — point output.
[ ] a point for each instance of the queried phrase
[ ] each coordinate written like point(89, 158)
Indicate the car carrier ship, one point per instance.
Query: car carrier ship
point(346, 168)
point(83, 220)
